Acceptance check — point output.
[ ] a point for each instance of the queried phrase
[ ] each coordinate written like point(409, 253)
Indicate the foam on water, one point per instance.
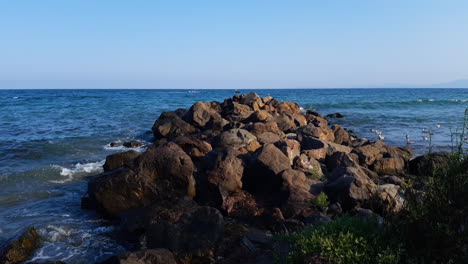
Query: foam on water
point(78, 169)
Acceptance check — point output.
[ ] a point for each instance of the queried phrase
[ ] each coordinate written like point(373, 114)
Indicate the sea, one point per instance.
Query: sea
point(52, 141)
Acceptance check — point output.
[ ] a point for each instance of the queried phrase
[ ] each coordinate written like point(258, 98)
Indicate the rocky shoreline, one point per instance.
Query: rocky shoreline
point(222, 178)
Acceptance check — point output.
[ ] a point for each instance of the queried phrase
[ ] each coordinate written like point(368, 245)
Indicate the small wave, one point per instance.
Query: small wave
point(79, 168)
point(15, 97)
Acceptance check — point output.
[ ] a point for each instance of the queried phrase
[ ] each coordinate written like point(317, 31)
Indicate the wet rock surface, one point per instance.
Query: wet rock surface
point(221, 177)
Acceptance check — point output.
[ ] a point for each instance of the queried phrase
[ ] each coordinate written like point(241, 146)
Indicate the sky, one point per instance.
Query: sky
point(231, 44)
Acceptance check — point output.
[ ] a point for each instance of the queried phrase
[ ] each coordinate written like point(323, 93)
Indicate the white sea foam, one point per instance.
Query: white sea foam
point(79, 168)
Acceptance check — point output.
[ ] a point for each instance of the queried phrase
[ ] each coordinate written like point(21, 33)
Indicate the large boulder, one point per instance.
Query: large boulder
point(268, 137)
point(220, 176)
point(182, 226)
point(341, 159)
point(233, 111)
point(252, 100)
point(236, 139)
point(202, 113)
point(290, 147)
point(171, 125)
point(296, 192)
point(287, 107)
point(341, 135)
point(351, 188)
point(263, 175)
point(116, 160)
point(161, 173)
point(426, 165)
point(310, 166)
point(193, 146)
point(311, 130)
point(20, 248)
point(260, 128)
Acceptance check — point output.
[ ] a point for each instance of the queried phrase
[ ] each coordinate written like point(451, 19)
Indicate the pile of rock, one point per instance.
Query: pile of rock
point(248, 161)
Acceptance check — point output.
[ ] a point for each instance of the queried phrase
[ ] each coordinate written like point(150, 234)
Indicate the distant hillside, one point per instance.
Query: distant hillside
point(452, 84)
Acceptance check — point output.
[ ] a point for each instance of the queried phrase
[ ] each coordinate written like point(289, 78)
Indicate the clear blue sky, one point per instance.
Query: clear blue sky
point(231, 44)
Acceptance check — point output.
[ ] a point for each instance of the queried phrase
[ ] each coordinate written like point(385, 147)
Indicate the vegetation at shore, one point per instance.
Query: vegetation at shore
point(432, 226)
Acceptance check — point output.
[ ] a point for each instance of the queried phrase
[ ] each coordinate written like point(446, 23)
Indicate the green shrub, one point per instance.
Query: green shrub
point(345, 240)
point(321, 201)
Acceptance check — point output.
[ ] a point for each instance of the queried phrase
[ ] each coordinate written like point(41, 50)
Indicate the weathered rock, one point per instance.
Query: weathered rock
point(19, 249)
point(368, 154)
point(116, 160)
point(162, 173)
point(317, 121)
point(263, 176)
point(149, 256)
point(290, 147)
point(252, 100)
point(193, 146)
point(287, 107)
point(341, 159)
point(392, 166)
point(296, 190)
point(268, 137)
point(426, 165)
point(170, 125)
point(201, 113)
point(311, 130)
point(310, 166)
point(260, 128)
point(351, 188)
point(286, 123)
point(220, 176)
point(235, 139)
point(242, 205)
point(233, 111)
point(335, 115)
point(314, 148)
point(391, 198)
point(181, 226)
point(341, 135)
point(258, 116)
point(133, 144)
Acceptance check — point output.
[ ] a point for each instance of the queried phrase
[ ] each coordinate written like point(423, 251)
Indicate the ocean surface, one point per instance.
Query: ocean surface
point(52, 140)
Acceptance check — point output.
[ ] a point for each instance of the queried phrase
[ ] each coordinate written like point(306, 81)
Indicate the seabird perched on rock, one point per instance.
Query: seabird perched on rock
point(438, 125)
point(380, 136)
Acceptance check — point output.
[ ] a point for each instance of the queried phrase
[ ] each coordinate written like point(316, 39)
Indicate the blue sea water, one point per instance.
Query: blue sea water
point(51, 140)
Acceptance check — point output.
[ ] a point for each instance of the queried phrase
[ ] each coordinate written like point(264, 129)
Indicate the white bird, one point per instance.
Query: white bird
point(438, 125)
point(378, 133)
point(372, 130)
point(381, 137)
point(425, 138)
point(425, 131)
point(408, 141)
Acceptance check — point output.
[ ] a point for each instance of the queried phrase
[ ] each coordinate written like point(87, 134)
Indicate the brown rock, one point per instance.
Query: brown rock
point(233, 111)
point(19, 249)
point(161, 173)
point(201, 113)
point(341, 159)
point(310, 166)
point(290, 147)
point(236, 139)
point(258, 116)
point(262, 177)
point(193, 146)
point(260, 128)
point(296, 188)
point(351, 188)
point(116, 160)
point(252, 100)
point(287, 107)
point(170, 125)
point(268, 137)
point(341, 135)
